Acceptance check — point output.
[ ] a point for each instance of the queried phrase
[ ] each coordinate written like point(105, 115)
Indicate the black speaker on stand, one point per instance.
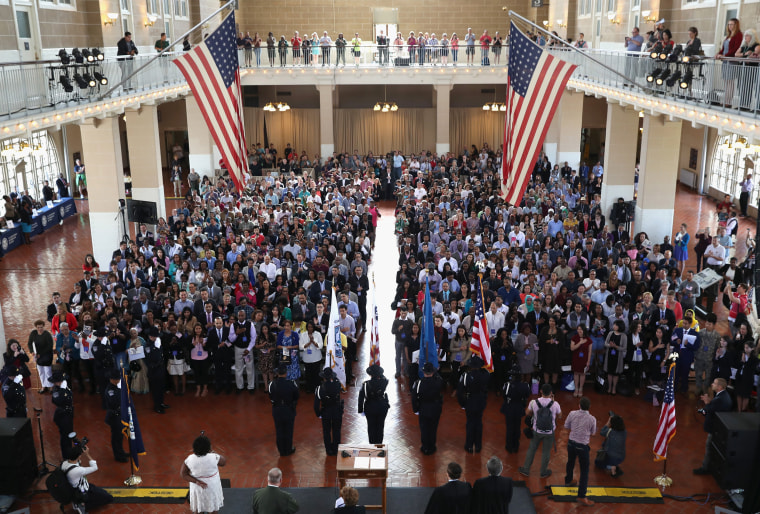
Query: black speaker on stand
point(734, 449)
point(141, 211)
point(18, 458)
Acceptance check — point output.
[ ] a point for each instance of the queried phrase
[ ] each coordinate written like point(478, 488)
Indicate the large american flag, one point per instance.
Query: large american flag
point(374, 334)
point(480, 344)
point(534, 88)
point(666, 428)
point(213, 74)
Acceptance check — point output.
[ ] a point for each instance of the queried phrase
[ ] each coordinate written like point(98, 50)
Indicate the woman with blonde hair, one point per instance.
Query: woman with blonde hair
point(728, 49)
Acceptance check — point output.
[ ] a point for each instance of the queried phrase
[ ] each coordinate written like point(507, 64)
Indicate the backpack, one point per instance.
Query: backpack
point(544, 417)
point(59, 487)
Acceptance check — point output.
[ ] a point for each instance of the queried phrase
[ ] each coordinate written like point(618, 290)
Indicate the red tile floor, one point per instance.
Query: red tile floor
point(241, 427)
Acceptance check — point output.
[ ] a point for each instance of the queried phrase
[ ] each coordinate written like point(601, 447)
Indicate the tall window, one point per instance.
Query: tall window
point(152, 6)
point(731, 164)
point(25, 167)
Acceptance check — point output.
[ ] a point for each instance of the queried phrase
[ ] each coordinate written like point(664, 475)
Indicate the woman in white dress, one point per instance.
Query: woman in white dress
point(201, 469)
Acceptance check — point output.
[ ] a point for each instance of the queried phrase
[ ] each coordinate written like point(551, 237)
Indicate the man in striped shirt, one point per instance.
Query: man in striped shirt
point(582, 426)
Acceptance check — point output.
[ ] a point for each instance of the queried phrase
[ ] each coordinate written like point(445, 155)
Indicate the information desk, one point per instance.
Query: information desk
point(46, 218)
point(364, 462)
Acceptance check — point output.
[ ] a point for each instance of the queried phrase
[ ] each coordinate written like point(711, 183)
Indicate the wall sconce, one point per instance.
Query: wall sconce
point(648, 16)
point(561, 25)
point(111, 17)
point(151, 20)
point(613, 19)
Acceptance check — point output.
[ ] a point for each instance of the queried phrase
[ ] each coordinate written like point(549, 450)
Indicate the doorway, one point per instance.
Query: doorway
point(26, 33)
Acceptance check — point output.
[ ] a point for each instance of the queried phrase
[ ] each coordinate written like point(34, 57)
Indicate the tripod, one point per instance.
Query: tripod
point(121, 214)
point(42, 470)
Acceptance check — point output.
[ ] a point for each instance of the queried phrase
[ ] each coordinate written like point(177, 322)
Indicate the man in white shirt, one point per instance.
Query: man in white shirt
point(715, 254)
point(516, 237)
point(450, 260)
point(76, 474)
point(269, 268)
point(495, 319)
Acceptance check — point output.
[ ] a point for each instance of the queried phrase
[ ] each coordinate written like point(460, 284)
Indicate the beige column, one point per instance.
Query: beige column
point(563, 139)
point(442, 110)
point(658, 177)
point(326, 135)
point(622, 135)
point(203, 152)
point(145, 156)
point(105, 184)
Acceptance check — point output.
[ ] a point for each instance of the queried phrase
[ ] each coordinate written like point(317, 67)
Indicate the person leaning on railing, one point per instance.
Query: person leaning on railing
point(729, 47)
point(748, 77)
point(694, 45)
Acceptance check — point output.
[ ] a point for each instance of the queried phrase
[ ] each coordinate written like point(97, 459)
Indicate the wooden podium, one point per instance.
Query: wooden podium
point(364, 462)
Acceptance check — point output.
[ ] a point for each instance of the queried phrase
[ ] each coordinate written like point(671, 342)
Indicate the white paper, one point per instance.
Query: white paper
point(377, 463)
point(136, 353)
point(416, 357)
point(10, 224)
point(361, 463)
point(50, 204)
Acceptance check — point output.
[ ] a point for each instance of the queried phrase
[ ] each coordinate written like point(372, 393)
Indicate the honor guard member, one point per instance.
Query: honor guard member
point(112, 396)
point(64, 410)
point(103, 360)
point(427, 402)
point(283, 394)
point(14, 395)
point(154, 359)
point(685, 341)
point(472, 393)
point(329, 407)
point(516, 394)
point(373, 403)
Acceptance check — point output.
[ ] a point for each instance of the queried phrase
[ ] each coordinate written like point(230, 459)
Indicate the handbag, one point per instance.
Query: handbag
point(601, 457)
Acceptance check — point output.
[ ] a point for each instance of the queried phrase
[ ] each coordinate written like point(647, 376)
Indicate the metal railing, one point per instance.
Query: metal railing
point(38, 86)
point(723, 84)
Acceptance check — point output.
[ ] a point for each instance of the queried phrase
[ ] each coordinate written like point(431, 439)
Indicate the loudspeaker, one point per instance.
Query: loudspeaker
point(734, 448)
point(141, 211)
point(18, 458)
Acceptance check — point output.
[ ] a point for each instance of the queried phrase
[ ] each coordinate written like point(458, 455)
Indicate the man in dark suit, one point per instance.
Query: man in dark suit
point(86, 283)
point(664, 316)
point(52, 309)
point(453, 497)
point(273, 499)
point(142, 306)
point(492, 494)
point(220, 339)
point(721, 402)
point(320, 285)
point(199, 307)
point(131, 274)
point(303, 309)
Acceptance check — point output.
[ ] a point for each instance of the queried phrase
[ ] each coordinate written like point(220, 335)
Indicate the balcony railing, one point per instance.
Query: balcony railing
point(38, 86)
point(726, 85)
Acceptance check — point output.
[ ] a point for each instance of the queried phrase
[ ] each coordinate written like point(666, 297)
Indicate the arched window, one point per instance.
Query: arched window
point(25, 163)
point(733, 159)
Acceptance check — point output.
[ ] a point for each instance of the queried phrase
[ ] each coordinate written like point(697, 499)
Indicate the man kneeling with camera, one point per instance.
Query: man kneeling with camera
point(87, 496)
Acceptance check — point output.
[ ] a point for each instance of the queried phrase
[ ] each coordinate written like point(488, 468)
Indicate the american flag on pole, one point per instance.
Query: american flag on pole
point(666, 428)
point(374, 332)
point(213, 74)
point(480, 344)
point(535, 83)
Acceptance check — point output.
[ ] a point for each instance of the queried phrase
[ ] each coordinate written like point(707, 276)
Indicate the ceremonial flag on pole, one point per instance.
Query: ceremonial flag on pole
point(428, 348)
point(213, 74)
point(335, 358)
point(374, 330)
point(480, 344)
point(535, 82)
point(666, 428)
point(131, 428)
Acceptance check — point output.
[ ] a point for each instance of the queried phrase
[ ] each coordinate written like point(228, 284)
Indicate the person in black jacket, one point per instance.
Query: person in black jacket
point(427, 403)
point(359, 284)
point(64, 410)
point(125, 52)
point(452, 497)
point(328, 406)
point(220, 338)
point(112, 396)
point(283, 394)
point(492, 494)
point(14, 394)
point(154, 359)
point(472, 393)
point(373, 403)
point(721, 402)
point(515, 393)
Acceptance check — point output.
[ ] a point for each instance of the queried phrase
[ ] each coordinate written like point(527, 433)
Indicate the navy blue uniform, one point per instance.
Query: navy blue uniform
point(15, 399)
point(329, 406)
point(63, 416)
point(112, 399)
point(686, 342)
point(427, 402)
point(154, 359)
point(473, 389)
point(373, 402)
point(516, 394)
point(283, 394)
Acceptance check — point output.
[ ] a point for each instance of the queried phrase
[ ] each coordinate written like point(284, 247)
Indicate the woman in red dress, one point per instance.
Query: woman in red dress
point(580, 346)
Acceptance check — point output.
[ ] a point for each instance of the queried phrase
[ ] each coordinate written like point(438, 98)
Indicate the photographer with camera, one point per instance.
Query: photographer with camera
point(86, 496)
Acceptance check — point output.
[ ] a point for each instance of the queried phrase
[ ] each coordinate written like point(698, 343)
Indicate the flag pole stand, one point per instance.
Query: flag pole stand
point(664, 480)
point(133, 480)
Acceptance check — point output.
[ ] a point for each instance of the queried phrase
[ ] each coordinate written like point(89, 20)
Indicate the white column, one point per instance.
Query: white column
point(105, 183)
point(327, 137)
point(145, 156)
point(658, 177)
point(199, 140)
point(563, 139)
point(622, 135)
point(442, 110)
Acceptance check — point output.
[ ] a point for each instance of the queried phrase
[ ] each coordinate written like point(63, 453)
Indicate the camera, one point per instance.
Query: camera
point(79, 442)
